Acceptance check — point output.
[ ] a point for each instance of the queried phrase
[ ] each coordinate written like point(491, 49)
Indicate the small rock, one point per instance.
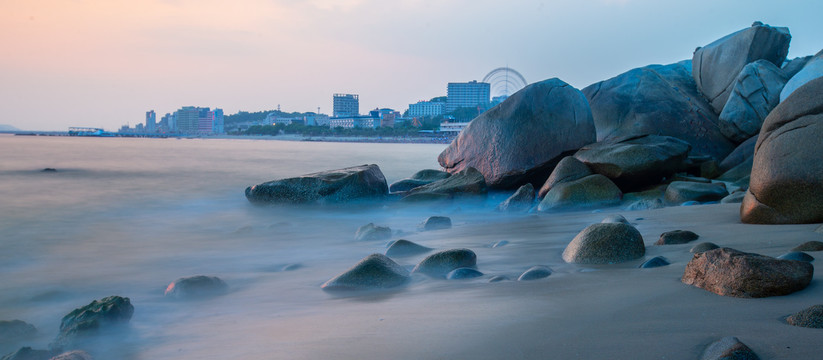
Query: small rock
point(14, 330)
point(370, 232)
point(468, 181)
point(196, 287)
point(404, 247)
point(590, 191)
point(616, 218)
point(420, 178)
point(463, 273)
point(645, 204)
point(605, 243)
point(809, 246)
point(676, 237)
point(49, 170)
point(436, 223)
point(703, 247)
point(73, 355)
point(290, 267)
point(93, 318)
point(734, 198)
point(811, 317)
point(654, 262)
point(27, 353)
point(797, 255)
point(500, 243)
point(441, 263)
point(728, 348)
point(729, 272)
point(375, 271)
point(535, 272)
point(498, 278)
point(680, 192)
point(521, 200)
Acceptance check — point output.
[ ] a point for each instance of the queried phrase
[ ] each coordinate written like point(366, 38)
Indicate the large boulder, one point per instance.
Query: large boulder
point(635, 162)
point(440, 264)
point(755, 93)
point(568, 169)
point(95, 318)
point(374, 272)
point(813, 69)
point(715, 66)
point(364, 182)
point(657, 100)
point(792, 67)
point(196, 287)
point(521, 139)
point(729, 272)
point(468, 181)
point(591, 191)
point(371, 232)
point(605, 243)
point(786, 186)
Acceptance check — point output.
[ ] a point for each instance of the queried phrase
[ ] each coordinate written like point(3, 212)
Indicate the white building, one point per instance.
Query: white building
point(427, 108)
point(470, 94)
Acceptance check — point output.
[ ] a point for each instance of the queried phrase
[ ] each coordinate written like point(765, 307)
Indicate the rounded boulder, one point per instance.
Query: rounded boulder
point(605, 243)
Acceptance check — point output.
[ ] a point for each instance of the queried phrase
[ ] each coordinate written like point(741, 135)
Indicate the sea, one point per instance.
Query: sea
point(82, 218)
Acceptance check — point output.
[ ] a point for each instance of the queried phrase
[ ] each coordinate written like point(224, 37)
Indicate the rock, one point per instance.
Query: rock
point(809, 246)
point(703, 247)
point(683, 177)
point(590, 191)
point(654, 262)
point(635, 162)
point(500, 243)
point(676, 237)
point(645, 204)
point(729, 272)
point(463, 273)
point(813, 69)
point(439, 264)
point(521, 139)
point(644, 200)
point(406, 248)
point(436, 223)
point(797, 256)
point(27, 353)
point(741, 154)
point(785, 185)
point(364, 182)
point(73, 355)
point(616, 218)
point(792, 67)
point(657, 100)
point(374, 272)
point(48, 170)
point(811, 317)
point(468, 181)
point(16, 330)
point(680, 192)
point(728, 348)
point(97, 317)
point(372, 232)
point(605, 243)
point(196, 287)
point(520, 201)
point(535, 272)
point(568, 169)
point(498, 278)
point(755, 93)
point(734, 198)
point(716, 66)
point(420, 178)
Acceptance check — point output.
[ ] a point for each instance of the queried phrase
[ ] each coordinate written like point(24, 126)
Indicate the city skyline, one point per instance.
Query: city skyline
point(104, 64)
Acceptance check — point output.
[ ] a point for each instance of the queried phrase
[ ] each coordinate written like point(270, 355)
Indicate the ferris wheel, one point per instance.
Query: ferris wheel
point(504, 81)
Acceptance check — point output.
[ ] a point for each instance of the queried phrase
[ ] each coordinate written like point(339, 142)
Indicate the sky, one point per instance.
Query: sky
point(104, 63)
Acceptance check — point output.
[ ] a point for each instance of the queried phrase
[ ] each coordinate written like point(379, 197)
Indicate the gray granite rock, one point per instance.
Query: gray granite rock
point(535, 272)
point(590, 191)
point(404, 247)
point(436, 223)
point(196, 287)
point(654, 262)
point(809, 246)
point(728, 348)
point(568, 169)
point(676, 237)
point(463, 273)
point(419, 178)
point(374, 272)
point(98, 317)
point(755, 93)
point(468, 181)
point(521, 201)
point(605, 243)
point(439, 264)
point(703, 247)
point(370, 232)
point(811, 317)
point(797, 256)
point(357, 183)
point(813, 69)
point(680, 192)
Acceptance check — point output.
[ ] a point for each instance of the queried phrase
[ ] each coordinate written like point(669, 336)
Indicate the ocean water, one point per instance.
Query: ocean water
point(128, 216)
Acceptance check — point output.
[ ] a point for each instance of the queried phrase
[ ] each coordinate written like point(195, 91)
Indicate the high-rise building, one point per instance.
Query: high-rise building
point(471, 94)
point(151, 121)
point(187, 119)
point(427, 108)
point(197, 120)
point(346, 105)
point(217, 128)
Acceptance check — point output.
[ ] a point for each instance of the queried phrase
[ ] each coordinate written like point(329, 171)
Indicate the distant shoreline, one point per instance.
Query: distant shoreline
point(282, 137)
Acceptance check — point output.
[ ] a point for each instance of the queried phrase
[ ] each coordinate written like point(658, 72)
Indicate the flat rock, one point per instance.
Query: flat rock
point(535, 273)
point(680, 192)
point(419, 178)
point(785, 185)
point(635, 162)
point(729, 272)
point(439, 264)
point(813, 69)
point(728, 348)
point(374, 272)
point(196, 287)
point(811, 317)
point(717, 65)
point(92, 319)
point(797, 256)
point(521, 139)
point(468, 181)
point(657, 100)
point(372, 232)
point(676, 237)
point(809, 246)
point(463, 273)
point(568, 169)
point(703, 247)
point(605, 243)
point(404, 247)
point(16, 330)
point(654, 262)
point(364, 182)
point(27, 353)
point(590, 191)
point(436, 223)
point(522, 200)
point(755, 93)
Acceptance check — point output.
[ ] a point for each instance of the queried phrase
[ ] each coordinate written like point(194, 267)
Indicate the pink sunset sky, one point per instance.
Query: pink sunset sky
point(105, 63)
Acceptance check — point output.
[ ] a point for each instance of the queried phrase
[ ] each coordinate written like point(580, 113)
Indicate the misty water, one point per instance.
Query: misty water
point(128, 216)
